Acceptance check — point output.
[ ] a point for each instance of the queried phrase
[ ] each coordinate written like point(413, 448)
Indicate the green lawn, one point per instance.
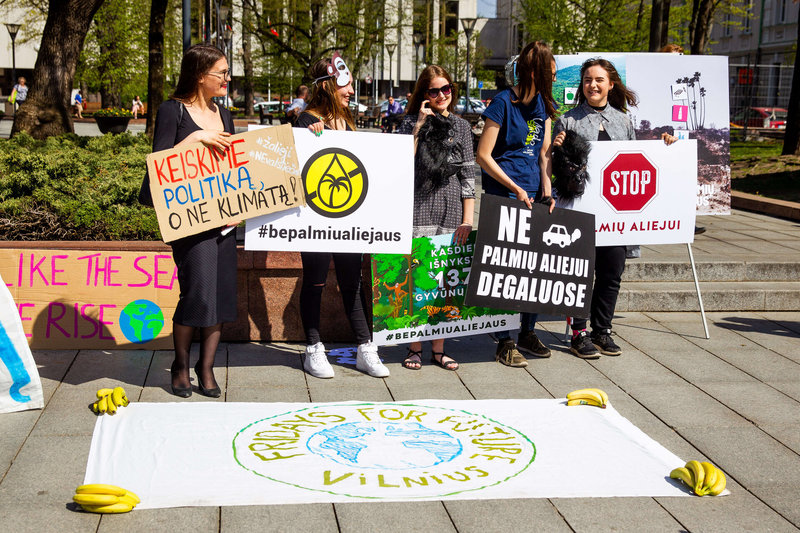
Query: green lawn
point(759, 168)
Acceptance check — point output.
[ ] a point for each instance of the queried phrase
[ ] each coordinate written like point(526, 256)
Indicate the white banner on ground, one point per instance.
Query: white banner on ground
point(359, 196)
point(641, 192)
point(20, 387)
point(195, 454)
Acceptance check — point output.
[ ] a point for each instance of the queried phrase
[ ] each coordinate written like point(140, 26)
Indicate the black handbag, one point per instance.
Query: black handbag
point(145, 197)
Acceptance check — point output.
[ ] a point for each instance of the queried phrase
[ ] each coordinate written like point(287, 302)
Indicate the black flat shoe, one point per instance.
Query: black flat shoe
point(211, 393)
point(181, 392)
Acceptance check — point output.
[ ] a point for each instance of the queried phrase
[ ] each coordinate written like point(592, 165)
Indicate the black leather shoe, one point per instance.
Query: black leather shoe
point(211, 393)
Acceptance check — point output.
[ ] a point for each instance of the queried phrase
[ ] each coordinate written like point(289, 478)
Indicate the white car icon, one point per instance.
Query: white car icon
point(558, 234)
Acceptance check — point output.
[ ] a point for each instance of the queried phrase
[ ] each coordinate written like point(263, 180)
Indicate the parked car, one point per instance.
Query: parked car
point(761, 117)
point(361, 107)
point(476, 106)
point(258, 101)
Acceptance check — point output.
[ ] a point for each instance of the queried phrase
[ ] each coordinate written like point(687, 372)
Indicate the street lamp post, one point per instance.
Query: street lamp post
point(417, 36)
point(390, 48)
point(12, 32)
point(469, 27)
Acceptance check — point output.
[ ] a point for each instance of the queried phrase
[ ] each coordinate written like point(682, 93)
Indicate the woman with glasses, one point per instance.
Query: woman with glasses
point(207, 261)
point(514, 153)
point(329, 109)
point(444, 179)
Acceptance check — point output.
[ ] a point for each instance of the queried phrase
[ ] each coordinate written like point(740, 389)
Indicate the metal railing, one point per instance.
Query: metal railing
point(759, 86)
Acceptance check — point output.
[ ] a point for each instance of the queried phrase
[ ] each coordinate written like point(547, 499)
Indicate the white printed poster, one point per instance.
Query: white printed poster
point(359, 196)
point(641, 192)
point(684, 95)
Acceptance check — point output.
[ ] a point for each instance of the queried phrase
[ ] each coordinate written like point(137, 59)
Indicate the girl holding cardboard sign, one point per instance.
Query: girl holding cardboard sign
point(329, 109)
point(207, 261)
point(514, 153)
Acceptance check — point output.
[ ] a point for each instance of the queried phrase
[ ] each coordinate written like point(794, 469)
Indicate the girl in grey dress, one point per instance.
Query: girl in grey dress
point(444, 179)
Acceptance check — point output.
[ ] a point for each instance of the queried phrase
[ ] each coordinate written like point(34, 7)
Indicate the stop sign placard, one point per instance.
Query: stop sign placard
point(630, 182)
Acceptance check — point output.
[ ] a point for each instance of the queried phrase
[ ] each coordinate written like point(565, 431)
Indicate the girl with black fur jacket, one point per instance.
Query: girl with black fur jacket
point(444, 180)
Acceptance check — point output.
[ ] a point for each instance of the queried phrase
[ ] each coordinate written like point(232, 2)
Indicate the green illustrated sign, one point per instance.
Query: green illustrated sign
point(421, 296)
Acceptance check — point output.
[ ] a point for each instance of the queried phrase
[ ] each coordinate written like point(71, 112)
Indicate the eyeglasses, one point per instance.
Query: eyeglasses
point(433, 92)
point(224, 73)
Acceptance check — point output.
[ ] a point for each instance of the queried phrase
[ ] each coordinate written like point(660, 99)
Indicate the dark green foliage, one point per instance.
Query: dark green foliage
point(74, 188)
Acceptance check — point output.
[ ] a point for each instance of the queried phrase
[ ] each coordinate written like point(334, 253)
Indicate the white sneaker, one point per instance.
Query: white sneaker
point(316, 362)
point(367, 360)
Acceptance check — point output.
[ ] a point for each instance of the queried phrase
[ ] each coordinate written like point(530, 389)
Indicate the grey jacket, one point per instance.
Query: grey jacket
point(586, 121)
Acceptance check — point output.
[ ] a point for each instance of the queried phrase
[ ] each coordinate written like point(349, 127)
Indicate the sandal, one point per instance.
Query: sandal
point(452, 364)
point(414, 358)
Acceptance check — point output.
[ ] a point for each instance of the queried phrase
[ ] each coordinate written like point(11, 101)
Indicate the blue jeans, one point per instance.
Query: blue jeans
point(527, 321)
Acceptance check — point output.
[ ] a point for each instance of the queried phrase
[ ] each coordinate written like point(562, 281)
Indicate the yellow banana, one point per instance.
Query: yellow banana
point(684, 475)
point(102, 405)
point(95, 499)
point(602, 395)
point(130, 498)
point(719, 485)
point(587, 394)
point(587, 401)
point(119, 397)
point(710, 472)
point(101, 488)
point(698, 475)
point(112, 408)
point(113, 508)
point(94, 407)
point(103, 392)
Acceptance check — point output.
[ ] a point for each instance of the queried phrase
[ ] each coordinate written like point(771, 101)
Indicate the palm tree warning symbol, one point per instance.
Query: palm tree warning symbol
point(335, 182)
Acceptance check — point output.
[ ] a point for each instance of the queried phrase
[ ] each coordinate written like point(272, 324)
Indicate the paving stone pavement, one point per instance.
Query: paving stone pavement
point(733, 399)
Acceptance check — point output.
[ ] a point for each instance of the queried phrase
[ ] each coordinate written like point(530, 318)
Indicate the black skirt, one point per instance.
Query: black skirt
point(207, 277)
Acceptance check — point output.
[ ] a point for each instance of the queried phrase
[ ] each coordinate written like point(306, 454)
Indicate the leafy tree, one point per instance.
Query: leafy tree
point(46, 111)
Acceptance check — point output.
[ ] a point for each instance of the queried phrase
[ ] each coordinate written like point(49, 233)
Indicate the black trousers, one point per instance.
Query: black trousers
point(609, 263)
point(348, 275)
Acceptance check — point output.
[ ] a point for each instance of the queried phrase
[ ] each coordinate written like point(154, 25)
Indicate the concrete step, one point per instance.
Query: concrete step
point(753, 268)
point(717, 296)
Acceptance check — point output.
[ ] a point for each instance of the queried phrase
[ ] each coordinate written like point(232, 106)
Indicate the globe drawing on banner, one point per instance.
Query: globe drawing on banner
point(141, 321)
point(386, 446)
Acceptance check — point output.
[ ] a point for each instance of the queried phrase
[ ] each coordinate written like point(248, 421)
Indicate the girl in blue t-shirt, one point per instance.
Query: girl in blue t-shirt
point(514, 153)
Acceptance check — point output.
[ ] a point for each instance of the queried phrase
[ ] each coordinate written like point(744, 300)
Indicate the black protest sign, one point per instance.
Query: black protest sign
point(531, 260)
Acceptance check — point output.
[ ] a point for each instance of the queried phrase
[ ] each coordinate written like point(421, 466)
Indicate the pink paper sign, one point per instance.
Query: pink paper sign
point(680, 113)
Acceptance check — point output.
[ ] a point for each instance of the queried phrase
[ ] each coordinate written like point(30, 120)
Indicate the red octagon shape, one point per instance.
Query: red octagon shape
point(630, 182)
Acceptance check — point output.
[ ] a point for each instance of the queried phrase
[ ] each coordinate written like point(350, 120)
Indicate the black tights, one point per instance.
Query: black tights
point(348, 275)
point(182, 338)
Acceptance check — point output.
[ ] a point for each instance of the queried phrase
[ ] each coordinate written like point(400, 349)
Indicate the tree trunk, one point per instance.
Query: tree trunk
point(247, 86)
point(155, 67)
point(700, 25)
point(659, 25)
point(47, 109)
point(791, 138)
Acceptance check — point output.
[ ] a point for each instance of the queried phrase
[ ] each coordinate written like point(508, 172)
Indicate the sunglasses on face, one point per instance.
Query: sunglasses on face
point(445, 90)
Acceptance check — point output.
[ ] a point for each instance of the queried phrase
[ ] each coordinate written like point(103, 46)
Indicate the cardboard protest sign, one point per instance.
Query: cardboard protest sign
point(92, 298)
point(196, 188)
point(20, 386)
point(421, 296)
point(358, 190)
point(531, 260)
point(641, 192)
point(685, 95)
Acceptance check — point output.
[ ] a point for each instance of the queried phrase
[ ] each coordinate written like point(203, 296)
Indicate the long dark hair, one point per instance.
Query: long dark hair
point(423, 84)
point(537, 59)
point(324, 101)
point(619, 96)
point(196, 63)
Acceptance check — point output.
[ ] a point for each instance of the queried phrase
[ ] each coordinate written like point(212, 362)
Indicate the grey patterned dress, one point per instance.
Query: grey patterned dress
point(441, 210)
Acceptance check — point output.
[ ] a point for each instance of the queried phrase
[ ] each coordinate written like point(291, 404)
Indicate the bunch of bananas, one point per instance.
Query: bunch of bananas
point(594, 397)
point(109, 400)
point(100, 498)
point(703, 478)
